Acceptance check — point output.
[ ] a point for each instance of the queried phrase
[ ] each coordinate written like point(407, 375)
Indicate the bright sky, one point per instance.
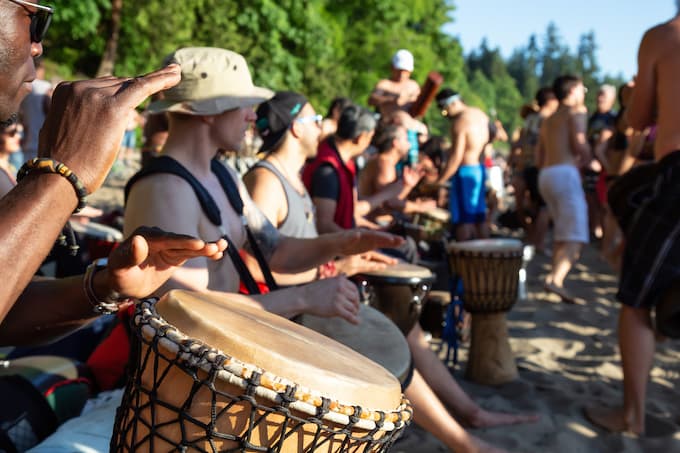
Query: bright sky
point(618, 25)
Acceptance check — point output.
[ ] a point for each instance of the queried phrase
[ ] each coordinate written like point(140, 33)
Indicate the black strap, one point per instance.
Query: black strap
point(166, 164)
point(231, 189)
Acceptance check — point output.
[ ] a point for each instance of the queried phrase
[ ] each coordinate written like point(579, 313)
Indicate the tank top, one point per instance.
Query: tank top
point(300, 221)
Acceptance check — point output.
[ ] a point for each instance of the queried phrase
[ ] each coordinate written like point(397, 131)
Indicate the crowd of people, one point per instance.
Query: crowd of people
point(325, 199)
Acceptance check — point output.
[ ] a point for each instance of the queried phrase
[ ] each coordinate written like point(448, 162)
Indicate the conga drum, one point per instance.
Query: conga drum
point(433, 316)
point(212, 374)
point(435, 223)
point(375, 337)
point(397, 291)
point(489, 269)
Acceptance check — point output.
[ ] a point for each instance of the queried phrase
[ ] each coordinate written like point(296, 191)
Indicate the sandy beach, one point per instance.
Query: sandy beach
point(567, 356)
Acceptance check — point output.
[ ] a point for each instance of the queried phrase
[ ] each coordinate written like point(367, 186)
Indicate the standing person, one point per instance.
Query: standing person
point(10, 143)
point(276, 187)
point(82, 131)
point(471, 130)
point(398, 92)
point(562, 149)
point(601, 127)
point(650, 219)
point(34, 109)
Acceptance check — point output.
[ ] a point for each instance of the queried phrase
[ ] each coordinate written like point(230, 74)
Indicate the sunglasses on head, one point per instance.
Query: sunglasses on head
point(41, 18)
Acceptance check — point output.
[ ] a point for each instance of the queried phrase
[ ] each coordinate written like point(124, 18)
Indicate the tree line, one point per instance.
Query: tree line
point(322, 48)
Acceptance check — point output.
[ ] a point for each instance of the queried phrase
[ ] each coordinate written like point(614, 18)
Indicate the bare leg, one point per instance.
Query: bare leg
point(483, 230)
point(465, 232)
point(539, 229)
point(637, 343)
point(432, 416)
point(565, 254)
point(438, 377)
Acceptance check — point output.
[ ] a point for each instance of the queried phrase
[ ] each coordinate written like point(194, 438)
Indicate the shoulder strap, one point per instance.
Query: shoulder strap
point(166, 164)
point(231, 190)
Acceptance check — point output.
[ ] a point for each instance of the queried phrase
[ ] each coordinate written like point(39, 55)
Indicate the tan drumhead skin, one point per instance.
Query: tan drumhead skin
point(281, 347)
point(403, 270)
point(487, 245)
point(438, 214)
point(376, 337)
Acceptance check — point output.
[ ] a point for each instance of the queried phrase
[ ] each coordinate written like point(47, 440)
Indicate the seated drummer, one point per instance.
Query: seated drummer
point(33, 212)
point(276, 189)
point(211, 109)
point(380, 172)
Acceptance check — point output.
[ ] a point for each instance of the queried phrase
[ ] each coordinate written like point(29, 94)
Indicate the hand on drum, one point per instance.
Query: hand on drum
point(332, 297)
point(363, 262)
point(357, 240)
point(87, 119)
point(145, 260)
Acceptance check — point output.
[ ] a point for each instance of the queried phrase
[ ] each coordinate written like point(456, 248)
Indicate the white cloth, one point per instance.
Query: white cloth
point(90, 432)
point(561, 188)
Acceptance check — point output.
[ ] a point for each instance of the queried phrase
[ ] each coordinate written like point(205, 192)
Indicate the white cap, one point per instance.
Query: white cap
point(403, 60)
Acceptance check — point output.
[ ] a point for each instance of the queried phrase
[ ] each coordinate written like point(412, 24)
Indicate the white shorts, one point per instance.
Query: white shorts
point(561, 188)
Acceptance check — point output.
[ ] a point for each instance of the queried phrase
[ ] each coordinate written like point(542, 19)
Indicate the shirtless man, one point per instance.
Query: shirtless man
point(470, 133)
point(651, 263)
point(83, 130)
point(398, 92)
point(562, 150)
point(211, 109)
point(380, 172)
point(275, 184)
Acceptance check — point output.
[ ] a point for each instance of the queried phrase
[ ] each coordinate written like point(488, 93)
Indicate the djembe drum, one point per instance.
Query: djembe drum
point(434, 223)
point(489, 269)
point(375, 337)
point(397, 291)
point(214, 374)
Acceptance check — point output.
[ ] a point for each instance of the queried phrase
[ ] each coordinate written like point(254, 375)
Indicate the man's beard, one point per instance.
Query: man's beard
point(9, 121)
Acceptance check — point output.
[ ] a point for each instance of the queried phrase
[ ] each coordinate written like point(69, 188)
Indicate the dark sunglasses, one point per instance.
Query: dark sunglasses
point(40, 18)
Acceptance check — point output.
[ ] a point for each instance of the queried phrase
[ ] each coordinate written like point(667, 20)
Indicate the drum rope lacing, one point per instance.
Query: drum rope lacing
point(286, 398)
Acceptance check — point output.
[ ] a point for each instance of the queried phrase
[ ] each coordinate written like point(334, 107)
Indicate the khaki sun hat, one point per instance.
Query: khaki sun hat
point(213, 81)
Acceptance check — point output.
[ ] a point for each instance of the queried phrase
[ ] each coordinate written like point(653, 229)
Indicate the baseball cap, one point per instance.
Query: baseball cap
point(213, 81)
point(275, 116)
point(403, 60)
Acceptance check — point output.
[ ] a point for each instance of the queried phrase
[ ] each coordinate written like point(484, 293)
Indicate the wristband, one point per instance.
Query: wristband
point(45, 165)
point(111, 303)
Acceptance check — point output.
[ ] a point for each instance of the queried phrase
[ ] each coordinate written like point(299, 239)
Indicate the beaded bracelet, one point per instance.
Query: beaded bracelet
point(111, 304)
point(45, 165)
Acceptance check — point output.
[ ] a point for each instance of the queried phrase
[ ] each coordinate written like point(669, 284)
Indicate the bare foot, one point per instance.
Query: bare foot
point(487, 419)
point(560, 291)
point(612, 420)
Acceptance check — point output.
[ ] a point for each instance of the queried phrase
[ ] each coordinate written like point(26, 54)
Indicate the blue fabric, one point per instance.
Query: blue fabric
point(467, 199)
point(413, 151)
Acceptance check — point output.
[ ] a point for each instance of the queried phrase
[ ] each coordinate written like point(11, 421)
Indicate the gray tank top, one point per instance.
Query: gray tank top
point(301, 218)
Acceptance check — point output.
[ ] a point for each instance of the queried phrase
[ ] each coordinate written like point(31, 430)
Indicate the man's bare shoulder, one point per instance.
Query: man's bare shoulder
point(263, 181)
point(163, 189)
point(383, 84)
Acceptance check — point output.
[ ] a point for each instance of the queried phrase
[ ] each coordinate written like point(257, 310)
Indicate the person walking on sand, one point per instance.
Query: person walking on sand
point(562, 149)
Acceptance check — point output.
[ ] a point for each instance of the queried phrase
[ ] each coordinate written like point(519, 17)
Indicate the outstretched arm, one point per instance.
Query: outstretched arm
point(48, 309)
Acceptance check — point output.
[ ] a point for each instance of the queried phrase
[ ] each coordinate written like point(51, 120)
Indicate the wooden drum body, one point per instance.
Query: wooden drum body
point(489, 269)
point(397, 291)
point(239, 379)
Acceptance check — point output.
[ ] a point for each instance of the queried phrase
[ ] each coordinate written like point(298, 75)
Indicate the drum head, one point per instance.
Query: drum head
point(376, 337)
point(281, 347)
point(487, 245)
point(438, 214)
point(402, 271)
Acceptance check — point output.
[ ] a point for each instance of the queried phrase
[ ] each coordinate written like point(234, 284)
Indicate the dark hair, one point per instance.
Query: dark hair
point(338, 103)
point(543, 95)
point(445, 94)
point(434, 149)
point(563, 86)
point(354, 121)
point(384, 137)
